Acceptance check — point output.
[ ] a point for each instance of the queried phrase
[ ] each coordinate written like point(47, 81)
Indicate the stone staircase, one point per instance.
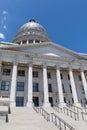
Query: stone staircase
point(23, 118)
point(76, 124)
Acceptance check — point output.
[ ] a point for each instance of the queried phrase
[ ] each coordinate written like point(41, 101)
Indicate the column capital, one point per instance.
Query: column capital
point(70, 67)
point(81, 69)
point(30, 64)
point(15, 63)
point(58, 67)
point(44, 65)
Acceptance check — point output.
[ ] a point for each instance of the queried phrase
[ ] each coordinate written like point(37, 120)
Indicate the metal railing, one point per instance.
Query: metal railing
point(43, 112)
point(58, 109)
point(37, 109)
point(71, 113)
point(4, 114)
point(75, 108)
point(61, 124)
point(84, 116)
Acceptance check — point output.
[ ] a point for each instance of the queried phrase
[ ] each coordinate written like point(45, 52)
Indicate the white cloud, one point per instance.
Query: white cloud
point(2, 36)
point(5, 27)
point(4, 12)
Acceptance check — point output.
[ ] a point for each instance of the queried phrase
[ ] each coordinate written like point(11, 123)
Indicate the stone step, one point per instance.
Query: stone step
point(26, 119)
point(78, 125)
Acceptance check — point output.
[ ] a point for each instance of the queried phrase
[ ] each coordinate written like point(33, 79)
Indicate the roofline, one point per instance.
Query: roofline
point(37, 45)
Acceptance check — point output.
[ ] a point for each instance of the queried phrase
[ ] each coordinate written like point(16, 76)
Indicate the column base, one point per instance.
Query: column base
point(12, 104)
point(62, 104)
point(46, 104)
point(77, 104)
point(30, 104)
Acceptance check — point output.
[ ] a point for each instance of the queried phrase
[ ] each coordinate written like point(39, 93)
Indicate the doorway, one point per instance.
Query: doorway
point(51, 101)
point(36, 101)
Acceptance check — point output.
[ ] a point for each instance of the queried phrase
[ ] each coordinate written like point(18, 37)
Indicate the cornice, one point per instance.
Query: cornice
point(40, 56)
point(41, 45)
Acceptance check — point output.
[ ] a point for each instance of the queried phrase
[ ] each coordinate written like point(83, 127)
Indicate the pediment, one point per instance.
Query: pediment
point(47, 48)
point(52, 49)
point(48, 51)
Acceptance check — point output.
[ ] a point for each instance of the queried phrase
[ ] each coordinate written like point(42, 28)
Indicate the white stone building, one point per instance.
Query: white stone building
point(36, 71)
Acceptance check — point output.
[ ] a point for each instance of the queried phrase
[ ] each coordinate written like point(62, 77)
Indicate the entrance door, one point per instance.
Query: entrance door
point(36, 101)
point(19, 101)
point(51, 100)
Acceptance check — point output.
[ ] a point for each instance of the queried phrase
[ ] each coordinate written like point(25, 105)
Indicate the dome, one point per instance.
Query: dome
point(31, 32)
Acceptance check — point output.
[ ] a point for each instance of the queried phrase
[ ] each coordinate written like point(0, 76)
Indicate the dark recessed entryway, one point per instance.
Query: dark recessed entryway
point(36, 101)
point(51, 101)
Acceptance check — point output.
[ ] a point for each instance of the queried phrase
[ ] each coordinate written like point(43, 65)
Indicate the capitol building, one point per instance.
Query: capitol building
point(34, 71)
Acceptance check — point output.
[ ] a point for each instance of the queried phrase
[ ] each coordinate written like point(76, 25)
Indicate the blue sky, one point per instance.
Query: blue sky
point(64, 20)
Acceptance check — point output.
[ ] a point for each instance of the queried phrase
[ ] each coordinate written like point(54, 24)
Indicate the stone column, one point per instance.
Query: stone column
point(74, 93)
point(21, 42)
point(84, 81)
point(0, 75)
point(13, 85)
point(45, 87)
point(30, 84)
point(27, 42)
point(59, 85)
point(0, 71)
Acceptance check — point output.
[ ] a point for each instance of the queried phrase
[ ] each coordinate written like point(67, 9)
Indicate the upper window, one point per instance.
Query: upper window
point(6, 71)
point(35, 87)
point(35, 74)
point(70, 88)
point(48, 75)
point(21, 73)
point(63, 88)
point(20, 86)
point(5, 85)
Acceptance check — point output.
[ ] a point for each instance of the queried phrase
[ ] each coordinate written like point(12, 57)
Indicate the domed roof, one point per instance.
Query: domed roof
point(31, 31)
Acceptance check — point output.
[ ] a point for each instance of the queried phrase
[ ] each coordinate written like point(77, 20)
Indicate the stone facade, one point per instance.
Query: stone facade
point(42, 74)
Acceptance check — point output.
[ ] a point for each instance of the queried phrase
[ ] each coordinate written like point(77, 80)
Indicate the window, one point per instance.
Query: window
point(70, 89)
point(20, 86)
point(61, 76)
point(37, 41)
point(63, 88)
point(35, 74)
point(6, 71)
point(72, 100)
point(35, 87)
point(21, 73)
point(68, 77)
point(80, 79)
point(82, 88)
point(5, 85)
point(48, 75)
point(49, 87)
point(30, 41)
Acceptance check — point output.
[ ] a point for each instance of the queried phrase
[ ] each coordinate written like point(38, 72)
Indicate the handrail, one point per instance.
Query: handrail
point(43, 112)
point(60, 122)
point(85, 109)
point(4, 114)
point(37, 109)
point(57, 108)
point(83, 113)
point(71, 113)
point(75, 108)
